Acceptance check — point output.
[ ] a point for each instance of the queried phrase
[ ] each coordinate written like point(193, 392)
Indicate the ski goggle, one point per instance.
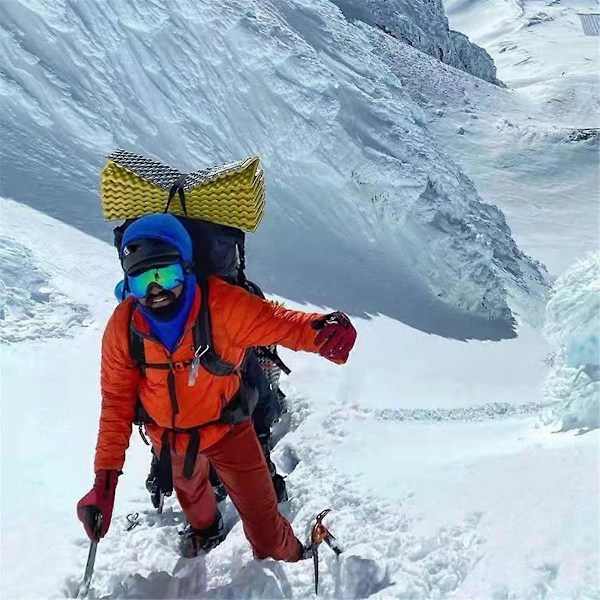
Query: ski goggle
point(168, 278)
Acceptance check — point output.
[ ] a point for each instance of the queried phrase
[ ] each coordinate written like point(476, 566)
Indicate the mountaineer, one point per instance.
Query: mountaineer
point(177, 346)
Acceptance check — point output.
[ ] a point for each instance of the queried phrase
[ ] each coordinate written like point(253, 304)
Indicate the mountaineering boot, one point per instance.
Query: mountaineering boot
point(197, 541)
point(217, 486)
point(306, 552)
point(278, 480)
point(280, 489)
point(152, 482)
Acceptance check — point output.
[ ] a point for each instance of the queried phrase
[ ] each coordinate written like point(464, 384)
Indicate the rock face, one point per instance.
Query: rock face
point(366, 212)
point(423, 24)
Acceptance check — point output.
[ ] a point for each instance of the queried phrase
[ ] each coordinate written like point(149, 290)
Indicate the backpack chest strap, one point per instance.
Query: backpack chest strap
point(203, 342)
point(137, 352)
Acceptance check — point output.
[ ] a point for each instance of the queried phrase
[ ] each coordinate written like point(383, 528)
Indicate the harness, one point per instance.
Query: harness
point(237, 410)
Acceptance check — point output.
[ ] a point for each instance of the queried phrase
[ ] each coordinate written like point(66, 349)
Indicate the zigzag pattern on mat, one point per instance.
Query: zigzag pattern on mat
point(233, 194)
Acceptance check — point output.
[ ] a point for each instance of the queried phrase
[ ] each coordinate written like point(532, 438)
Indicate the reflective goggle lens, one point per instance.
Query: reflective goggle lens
point(168, 278)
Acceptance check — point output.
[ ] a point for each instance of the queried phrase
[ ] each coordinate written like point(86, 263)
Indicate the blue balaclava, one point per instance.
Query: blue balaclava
point(167, 327)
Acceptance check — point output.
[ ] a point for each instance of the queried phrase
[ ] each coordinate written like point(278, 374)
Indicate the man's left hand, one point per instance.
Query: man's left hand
point(336, 336)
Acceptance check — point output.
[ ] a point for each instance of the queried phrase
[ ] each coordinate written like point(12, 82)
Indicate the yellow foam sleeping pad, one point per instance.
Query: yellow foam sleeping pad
point(233, 194)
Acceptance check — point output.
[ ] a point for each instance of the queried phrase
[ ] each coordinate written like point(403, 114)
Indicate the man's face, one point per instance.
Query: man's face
point(158, 298)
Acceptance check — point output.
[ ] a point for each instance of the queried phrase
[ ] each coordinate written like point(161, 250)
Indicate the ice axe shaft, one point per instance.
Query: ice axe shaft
point(84, 588)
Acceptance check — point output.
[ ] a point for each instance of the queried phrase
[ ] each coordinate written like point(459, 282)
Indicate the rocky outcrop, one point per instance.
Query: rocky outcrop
point(423, 24)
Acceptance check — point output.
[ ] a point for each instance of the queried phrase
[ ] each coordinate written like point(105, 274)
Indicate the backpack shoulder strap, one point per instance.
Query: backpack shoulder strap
point(203, 327)
point(136, 342)
point(203, 338)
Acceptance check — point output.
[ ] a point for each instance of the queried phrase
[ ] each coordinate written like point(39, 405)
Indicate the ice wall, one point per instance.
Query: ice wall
point(573, 327)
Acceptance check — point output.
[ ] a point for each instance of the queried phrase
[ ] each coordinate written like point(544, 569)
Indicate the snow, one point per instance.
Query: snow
point(454, 468)
point(354, 171)
point(531, 150)
point(465, 490)
point(49, 389)
point(540, 50)
point(438, 505)
point(29, 309)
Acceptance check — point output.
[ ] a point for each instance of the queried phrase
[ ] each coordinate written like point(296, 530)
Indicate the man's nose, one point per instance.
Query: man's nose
point(154, 289)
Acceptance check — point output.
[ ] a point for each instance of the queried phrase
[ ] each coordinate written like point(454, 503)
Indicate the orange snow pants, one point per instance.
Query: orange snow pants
point(241, 466)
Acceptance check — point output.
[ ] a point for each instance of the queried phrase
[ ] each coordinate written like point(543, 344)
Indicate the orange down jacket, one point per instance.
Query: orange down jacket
point(239, 320)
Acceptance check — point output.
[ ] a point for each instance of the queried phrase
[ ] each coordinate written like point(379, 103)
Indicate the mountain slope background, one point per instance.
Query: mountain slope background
point(354, 171)
point(432, 205)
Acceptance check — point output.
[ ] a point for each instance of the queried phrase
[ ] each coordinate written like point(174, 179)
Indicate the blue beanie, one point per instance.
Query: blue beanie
point(163, 227)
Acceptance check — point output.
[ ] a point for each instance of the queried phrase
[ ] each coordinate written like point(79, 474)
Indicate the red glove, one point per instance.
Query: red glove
point(98, 501)
point(336, 337)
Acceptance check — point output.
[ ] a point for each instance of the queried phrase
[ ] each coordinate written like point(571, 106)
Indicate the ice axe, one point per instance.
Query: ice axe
point(84, 588)
point(318, 535)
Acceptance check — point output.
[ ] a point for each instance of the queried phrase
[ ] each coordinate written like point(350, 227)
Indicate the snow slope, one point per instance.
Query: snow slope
point(541, 51)
point(533, 151)
point(425, 448)
point(354, 172)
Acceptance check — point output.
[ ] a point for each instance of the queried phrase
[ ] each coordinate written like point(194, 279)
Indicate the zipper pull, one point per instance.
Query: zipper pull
point(195, 366)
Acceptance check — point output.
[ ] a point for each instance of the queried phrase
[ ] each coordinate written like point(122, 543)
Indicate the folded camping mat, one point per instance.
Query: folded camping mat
point(233, 194)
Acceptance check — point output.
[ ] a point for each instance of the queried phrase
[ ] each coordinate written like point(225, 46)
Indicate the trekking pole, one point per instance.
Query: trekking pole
point(84, 588)
point(320, 534)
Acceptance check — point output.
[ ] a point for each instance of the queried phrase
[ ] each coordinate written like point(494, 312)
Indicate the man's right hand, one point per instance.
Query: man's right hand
point(100, 499)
